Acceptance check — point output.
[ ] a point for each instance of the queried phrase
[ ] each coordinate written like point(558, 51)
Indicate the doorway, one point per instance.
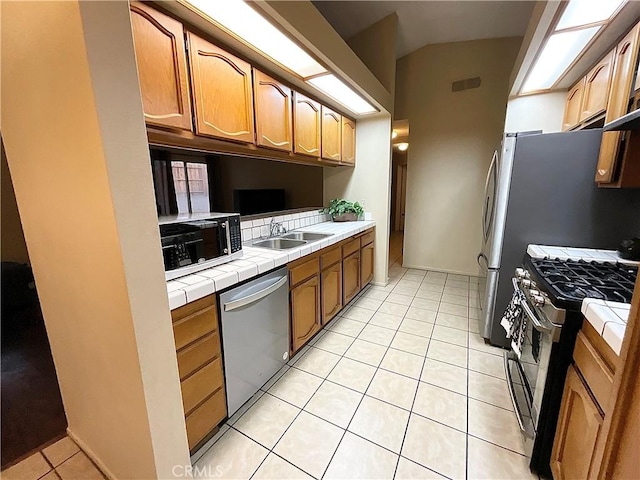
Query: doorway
point(400, 140)
point(31, 404)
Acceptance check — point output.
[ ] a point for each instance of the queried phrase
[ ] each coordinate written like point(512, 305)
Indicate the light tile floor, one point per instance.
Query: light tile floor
point(61, 460)
point(400, 385)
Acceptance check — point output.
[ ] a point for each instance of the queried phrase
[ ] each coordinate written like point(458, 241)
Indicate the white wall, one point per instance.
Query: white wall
point(452, 138)
point(76, 146)
point(368, 183)
point(536, 112)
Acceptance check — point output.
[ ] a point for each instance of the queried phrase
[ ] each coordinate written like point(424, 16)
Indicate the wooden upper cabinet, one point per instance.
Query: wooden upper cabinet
point(223, 96)
point(596, 88)
point(573, 107)
point(348, 141)
point(306, 125)
point(162, 67)
point(626, 59)
point(578, 428)
point(331, 134)
point(273, 112)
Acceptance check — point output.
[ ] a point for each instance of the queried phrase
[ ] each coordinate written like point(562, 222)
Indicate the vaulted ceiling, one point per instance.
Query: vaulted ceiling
point(423, 22)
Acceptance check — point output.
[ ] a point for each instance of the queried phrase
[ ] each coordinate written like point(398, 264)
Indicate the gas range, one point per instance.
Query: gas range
point(543, 321)
point(567, 282)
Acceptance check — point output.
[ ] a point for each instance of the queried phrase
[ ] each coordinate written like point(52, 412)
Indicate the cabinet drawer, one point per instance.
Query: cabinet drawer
point(201, 384)
point(598, 376)
point(197, 354)
point(205, 418)
point(331, 257)
point(191, 328)
point(304, 270)
point(367, 238)
point(349, 248)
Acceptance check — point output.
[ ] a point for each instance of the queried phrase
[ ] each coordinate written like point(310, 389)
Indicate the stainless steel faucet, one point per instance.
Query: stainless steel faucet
point(276, 229)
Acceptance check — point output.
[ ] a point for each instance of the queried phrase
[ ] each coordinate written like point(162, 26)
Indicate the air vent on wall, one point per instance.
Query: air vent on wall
point(465, 84)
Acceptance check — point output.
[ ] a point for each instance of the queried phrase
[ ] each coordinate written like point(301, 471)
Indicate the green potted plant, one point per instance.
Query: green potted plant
point(342, 210)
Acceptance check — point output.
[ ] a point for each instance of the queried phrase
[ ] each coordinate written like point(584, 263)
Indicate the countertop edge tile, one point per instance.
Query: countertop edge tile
point(229, 274)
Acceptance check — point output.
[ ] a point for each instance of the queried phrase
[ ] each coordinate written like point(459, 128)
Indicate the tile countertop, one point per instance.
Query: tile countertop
point(608, 318)
point(254, 262)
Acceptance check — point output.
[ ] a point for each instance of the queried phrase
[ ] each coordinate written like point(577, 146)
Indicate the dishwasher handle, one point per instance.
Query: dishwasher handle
point(254, 297)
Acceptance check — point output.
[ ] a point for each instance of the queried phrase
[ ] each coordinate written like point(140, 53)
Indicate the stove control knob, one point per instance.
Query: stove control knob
point(538, 300)
point(534, 293)
point(520, 272)
point(526, 283)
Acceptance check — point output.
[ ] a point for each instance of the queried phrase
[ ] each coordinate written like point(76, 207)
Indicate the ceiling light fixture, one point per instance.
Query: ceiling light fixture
point(341, 92)
point(558, 53)
point(394, 134)
point(403, 147)
point(587, 12)
point(580, 22)
point(246, 24)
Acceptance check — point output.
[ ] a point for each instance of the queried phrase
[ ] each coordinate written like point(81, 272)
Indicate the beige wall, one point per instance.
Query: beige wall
point(302, 183)
point(452, 138)
point(13, 247)
point(368, 183)
point(536, 112)
point(376, 47)
point(76, 146)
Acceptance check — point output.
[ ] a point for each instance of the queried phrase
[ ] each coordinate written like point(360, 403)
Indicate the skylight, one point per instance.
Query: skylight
point(579, 24)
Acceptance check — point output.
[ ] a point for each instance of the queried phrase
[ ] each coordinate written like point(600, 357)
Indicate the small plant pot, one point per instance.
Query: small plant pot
point(346, 217)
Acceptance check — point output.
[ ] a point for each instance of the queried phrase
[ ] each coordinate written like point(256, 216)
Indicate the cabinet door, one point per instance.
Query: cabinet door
point(162, 67)
point(351, 276)
point(306, 125)
point(573, 107)
point(366, 264)
point(305, 311)
point(223, 96)
point(626, 59)
point(348, 141)
point(331, 292)
point(577, 432)
point(331, 134)
point(273, 112)
point(596, 88)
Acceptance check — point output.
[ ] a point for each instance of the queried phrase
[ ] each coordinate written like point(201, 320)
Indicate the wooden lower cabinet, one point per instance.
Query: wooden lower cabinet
point(197, 339)
point(351, 276)
point(322, 283)
point(578, 428)
point(366, 264)
point(331, 280)
point(305, 311)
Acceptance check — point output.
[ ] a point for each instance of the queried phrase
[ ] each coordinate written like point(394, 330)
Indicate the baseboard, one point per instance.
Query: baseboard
point(92, 456)
point(440, 270)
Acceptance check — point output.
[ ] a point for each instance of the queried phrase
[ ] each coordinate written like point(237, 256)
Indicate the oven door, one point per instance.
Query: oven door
point(527, 374)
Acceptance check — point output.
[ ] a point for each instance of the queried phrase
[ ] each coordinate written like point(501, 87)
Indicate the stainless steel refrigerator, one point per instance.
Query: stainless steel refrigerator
point(540, 189)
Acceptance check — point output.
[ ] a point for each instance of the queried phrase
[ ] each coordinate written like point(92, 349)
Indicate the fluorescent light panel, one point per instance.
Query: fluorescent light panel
point(248, 25)
point(339, 91)
point(560, 50)
point(585, 12)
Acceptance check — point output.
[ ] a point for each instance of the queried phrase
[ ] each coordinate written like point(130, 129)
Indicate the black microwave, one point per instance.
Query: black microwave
point(197, 241)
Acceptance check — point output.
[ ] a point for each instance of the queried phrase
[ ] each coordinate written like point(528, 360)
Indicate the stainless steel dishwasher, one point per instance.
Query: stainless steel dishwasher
point(255, 334)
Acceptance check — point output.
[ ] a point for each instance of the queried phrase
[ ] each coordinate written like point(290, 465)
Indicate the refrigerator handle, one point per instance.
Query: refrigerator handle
point(485, 206)
point(482, 256)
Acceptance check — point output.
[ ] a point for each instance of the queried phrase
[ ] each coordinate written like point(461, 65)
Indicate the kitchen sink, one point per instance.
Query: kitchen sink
point(307, 236)
point(279, 243)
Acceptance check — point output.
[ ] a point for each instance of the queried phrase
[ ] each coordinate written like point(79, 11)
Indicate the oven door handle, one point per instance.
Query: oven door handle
point(527, 309)
point(512, 394)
